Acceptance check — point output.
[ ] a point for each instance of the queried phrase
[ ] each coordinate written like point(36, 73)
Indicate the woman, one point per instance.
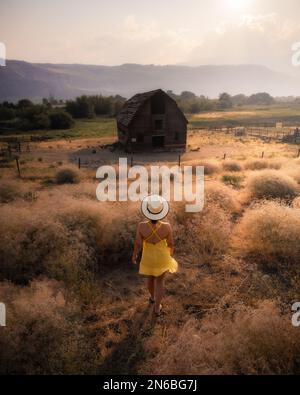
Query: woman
point(156, 239)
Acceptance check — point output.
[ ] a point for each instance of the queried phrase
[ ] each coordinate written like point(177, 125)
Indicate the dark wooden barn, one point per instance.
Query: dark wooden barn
point(151, 121)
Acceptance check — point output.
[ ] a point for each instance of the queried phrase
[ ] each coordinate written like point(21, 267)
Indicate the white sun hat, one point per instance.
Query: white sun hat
point(155, 207)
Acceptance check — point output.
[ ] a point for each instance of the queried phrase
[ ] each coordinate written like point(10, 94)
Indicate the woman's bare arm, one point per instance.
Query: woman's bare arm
point(170, 240)
point(137, 244)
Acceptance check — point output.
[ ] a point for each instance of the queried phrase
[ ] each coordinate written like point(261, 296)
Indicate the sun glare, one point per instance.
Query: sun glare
point(238, 5)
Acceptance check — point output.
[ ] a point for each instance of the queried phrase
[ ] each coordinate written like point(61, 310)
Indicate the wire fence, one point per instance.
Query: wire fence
point(284, 134)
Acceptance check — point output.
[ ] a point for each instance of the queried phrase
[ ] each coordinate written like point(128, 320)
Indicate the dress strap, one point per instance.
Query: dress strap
point(153, 231)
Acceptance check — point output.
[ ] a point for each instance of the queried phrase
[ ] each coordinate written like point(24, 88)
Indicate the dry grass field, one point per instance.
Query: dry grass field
point(76, 304)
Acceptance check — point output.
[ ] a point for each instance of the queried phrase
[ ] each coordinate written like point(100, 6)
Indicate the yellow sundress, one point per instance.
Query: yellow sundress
point(156, 258)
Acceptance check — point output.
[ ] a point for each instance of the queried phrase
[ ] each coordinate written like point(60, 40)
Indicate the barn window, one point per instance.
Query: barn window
point(158, 124)
point(176, 136)
point(140, 138)
point(157, 104)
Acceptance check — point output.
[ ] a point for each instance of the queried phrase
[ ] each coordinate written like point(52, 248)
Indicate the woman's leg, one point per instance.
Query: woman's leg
point(150, 285)
point(159, 290)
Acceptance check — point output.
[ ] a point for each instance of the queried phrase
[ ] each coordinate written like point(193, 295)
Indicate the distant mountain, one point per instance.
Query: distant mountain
point(64, 81)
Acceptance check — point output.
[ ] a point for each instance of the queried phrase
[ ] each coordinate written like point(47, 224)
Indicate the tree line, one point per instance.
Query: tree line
point(26, 115)
point(57, 114)
point(193, 104)
point(91, 106)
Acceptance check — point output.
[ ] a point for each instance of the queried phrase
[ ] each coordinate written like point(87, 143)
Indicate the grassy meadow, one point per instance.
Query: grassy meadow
point(248, 116)
point(83, 128)
point(75, 302)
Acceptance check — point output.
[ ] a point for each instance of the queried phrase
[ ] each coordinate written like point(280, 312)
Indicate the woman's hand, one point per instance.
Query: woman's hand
point(137, 245)
point(133, 259)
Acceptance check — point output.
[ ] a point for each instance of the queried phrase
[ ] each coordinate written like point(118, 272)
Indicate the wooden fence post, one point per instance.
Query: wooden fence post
point(131, 161)
point(79, 163)
point(262, 154)
point(224, 156)
point(18, 166)
point(179, 160)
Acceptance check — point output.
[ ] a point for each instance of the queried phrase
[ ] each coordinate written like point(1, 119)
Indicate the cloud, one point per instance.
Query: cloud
point(136, 42)
point(253, 39)
point(264, 39)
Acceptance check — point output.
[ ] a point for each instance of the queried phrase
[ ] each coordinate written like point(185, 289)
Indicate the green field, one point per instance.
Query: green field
point(289, 114)
point(83, 128)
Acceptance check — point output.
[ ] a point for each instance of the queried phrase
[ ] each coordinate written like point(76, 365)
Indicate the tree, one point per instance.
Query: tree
point(239, 100)
point(34, 117)
point(225, 101)
point(7, 114)
point(89, 106)
point(24, 103)
point(60, 120)
point(262, 98)
point(187, 95)
point(81, 107)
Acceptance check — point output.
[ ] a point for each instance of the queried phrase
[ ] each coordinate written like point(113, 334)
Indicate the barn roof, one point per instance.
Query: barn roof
point(133, 105)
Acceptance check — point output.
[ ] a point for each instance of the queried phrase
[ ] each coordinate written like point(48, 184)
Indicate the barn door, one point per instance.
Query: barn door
point(158, 141)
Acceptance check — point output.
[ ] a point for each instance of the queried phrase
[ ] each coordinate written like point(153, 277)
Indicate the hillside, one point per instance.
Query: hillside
point(22, 79)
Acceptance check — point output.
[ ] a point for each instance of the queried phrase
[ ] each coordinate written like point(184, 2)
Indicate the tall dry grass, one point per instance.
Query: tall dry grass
point(222, 196)
point(64, 238)
point(296, 202)
point(204, 236)
point(45, 333)
point(68, 175)
point(261, 164)
point(243, 340)
point(271, 184)
point(210, 167)
point(12, 189)
point(269, 234)
point(232, 166)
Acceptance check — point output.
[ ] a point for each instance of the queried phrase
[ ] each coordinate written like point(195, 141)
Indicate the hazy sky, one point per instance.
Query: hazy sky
point(189, 32)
